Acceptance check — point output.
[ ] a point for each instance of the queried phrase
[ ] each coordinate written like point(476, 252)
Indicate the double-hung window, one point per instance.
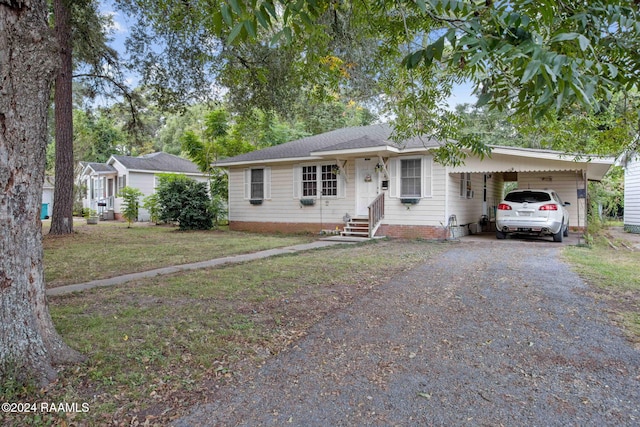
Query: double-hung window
point(329, 180)
point(466, 191)
point(410, 178)
point(309, 181)
point(257, 183)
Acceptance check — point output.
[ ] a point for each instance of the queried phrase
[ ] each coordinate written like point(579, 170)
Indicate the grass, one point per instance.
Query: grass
point(158, 346)
point(111, 249)
point(613, 270)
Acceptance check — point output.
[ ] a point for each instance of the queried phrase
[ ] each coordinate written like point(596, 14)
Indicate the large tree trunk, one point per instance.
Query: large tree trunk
point(28, 62)
point(62, 217)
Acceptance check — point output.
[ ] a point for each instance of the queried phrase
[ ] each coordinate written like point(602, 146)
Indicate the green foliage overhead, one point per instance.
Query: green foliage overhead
point(522, 54)
point(531, 59)
point(95, 137)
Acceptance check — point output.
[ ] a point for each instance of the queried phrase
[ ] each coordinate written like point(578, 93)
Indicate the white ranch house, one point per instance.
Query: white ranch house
point(103, 181)
point(359, 182)
point(632, 193)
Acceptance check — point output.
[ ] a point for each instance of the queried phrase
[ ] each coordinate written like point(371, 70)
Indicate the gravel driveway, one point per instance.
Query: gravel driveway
point(487, 333)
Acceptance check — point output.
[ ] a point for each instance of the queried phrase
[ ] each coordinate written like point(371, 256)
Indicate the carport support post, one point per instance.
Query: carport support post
point(586, 198)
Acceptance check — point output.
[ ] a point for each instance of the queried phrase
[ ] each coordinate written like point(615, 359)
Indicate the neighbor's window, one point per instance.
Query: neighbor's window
point(309, 181)
point(257, 183)
point(410, 178)
point(329, 180)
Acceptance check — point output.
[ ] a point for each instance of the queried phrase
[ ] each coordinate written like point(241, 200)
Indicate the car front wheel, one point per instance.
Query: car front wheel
point(500, 235)
point(566, 231)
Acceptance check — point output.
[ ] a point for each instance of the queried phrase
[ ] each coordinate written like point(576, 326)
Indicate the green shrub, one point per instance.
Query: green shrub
point(152, 204)
point(130, 203)
point(186, 201)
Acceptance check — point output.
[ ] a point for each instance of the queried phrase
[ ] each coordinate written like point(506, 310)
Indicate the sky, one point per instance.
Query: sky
point(461, 94)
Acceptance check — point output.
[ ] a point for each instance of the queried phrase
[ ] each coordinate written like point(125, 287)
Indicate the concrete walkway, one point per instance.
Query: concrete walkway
point(62, 290)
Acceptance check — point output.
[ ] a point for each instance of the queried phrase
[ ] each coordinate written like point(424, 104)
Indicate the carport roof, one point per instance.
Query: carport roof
point(516, 159)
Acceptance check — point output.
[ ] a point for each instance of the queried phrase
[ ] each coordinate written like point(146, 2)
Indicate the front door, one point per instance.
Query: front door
point(366, 185)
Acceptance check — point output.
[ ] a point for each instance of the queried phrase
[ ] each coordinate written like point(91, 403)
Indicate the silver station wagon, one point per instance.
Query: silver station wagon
point(532, 212)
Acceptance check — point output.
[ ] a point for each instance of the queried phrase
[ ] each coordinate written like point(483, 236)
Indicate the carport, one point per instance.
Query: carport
point(528, 168)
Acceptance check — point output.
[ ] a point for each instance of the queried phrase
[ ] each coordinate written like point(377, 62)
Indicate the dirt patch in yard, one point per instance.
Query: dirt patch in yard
point(621, 238)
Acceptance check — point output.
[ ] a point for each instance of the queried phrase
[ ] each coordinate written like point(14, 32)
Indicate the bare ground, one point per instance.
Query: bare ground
point(486, 333)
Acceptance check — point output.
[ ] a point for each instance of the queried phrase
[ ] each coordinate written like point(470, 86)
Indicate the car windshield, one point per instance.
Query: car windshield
point(528, 196)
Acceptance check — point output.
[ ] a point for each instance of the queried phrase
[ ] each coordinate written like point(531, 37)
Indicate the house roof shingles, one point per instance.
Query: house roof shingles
point(158, 162)
point(378, 135)
point(100, 167)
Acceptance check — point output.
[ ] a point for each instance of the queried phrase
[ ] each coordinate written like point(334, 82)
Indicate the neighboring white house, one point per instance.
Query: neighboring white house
point(47, 197)
point(103, 181)
point(632, 193)
point(357, 180)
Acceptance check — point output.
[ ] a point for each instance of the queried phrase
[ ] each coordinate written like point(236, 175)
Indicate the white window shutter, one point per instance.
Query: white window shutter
point(267, 183)
point(297, 181)
point(394, 178)
point(342, 186)
point(247, 184)
point(427, 166)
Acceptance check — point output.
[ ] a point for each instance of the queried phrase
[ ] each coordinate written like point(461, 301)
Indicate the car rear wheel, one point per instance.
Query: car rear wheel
point(559, 235)
point(500, 235)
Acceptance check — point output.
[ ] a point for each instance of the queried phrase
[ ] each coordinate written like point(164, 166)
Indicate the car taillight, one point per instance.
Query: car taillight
point(504, 207)
point(549, 207)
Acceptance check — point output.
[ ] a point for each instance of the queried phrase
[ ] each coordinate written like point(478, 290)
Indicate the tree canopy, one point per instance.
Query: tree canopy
point(529, 58)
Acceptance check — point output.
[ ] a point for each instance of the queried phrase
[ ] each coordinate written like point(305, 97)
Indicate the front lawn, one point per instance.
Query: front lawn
point(158, 346)
point(111, 249)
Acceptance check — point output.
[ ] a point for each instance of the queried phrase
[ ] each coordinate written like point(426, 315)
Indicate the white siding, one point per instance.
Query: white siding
point(430, 211)
point(632, 193)
point(434, 210)
point(466, 210)
point(283, 206)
